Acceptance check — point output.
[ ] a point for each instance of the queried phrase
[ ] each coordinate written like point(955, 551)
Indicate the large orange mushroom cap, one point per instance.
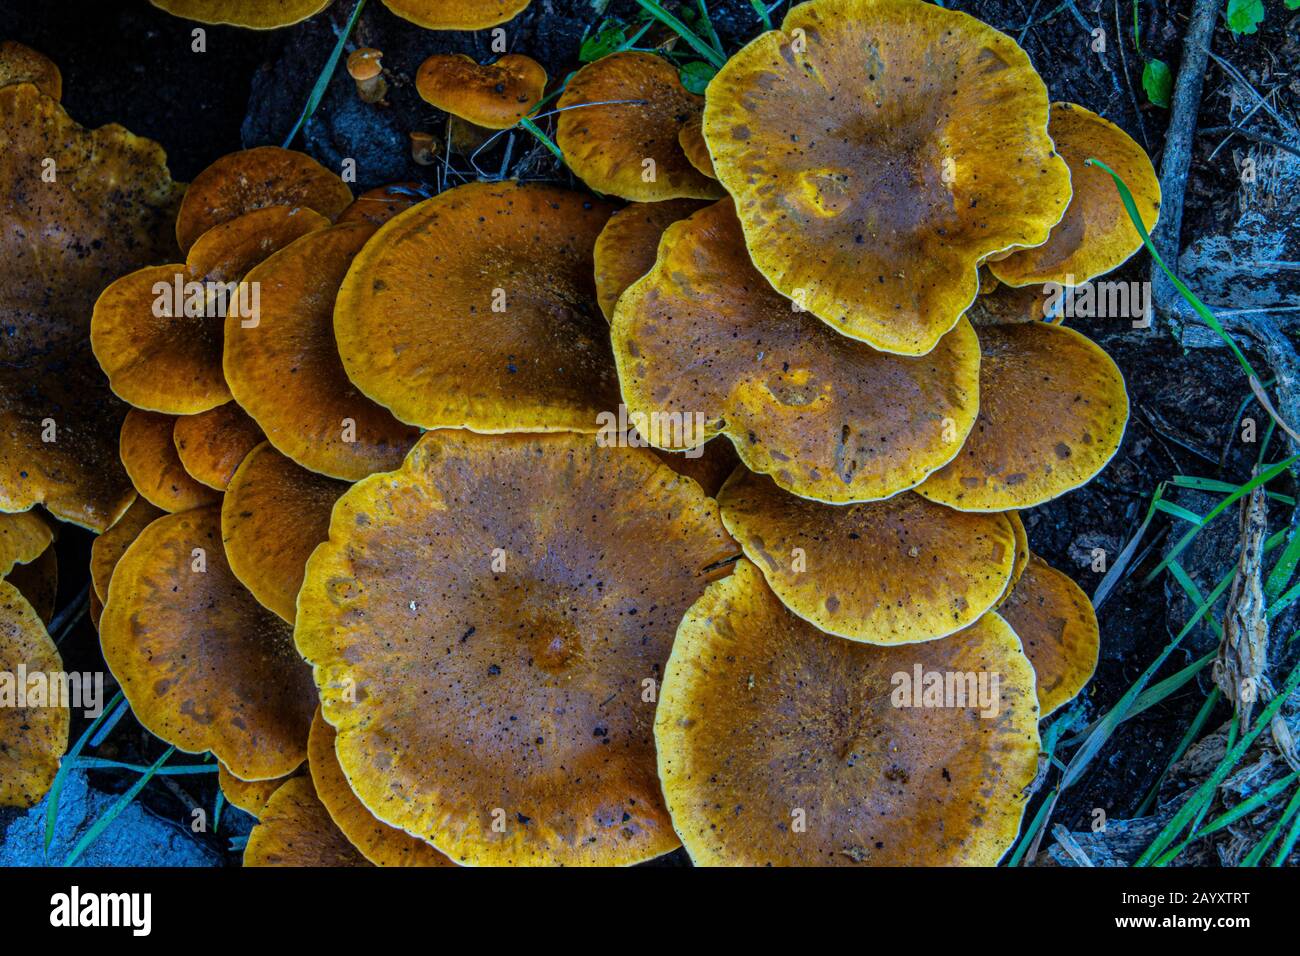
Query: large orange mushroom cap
point(212, 444)
point(379, 843)
point(493, 95)
point(878, 151)
point(22, 64)
point(33, 737)
point(1058, 628)
point(24, 537)
point(253, 14)
point(150, 458)
point(781, 745)
point(828, 417)
point(476, 309)
point(286, 372)
point(1096, 234)
point(113, 200)
point(627, 142)
point(628, 245)
point(294, 829)
point(883, 572)
point(1052, 413)
point(254, 179)
point(457, 14)
point(273, 516)
point(203, 665)
point(488, 626)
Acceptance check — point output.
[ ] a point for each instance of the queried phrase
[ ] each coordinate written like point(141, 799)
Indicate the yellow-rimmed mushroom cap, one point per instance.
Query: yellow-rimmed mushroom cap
point(626, 144)
point(867, 189)
point(33, 737)
point(38, 582)
point(253, 14)
point(203, 665)
point(286, 372)
point(1058, 628)
point(273, 516)
point(113, 201)
point(211, 444)
point(1096, 234)
point(107, 549)
point(883, 572)
point(379, 843)
point(492, 95)
point(780, 745)
point(150, 458)
point(706, 344)
point(294, 829)
point(1052, 414)
point(24, 537)
point(457, 14)
point(503, 607)
point(381, 204)
point(158, 332)
point(628, 245)
point(22, 64)
point(691, 139)
point(250, 796)
point(254, 179)
point(477, 309)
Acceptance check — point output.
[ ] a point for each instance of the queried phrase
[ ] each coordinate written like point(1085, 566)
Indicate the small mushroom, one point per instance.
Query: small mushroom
point(494, 96)
point(211, 444)
point(251, 14)
point(22, 64)
point(295, 830)
point(150, 458)
point(627, 246)
point(424, 148)
point(365, 67)
point(457, 14)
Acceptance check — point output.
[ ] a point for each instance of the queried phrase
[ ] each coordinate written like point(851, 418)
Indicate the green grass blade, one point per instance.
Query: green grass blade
point(1293, 834)
point(546, 141)
point(1193, 733)
point(682, 30)
point(56, 788)
point(113, 812)
point(327, 74)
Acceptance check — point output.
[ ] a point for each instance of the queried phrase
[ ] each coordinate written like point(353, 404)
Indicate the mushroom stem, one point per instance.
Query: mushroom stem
point(424, 150)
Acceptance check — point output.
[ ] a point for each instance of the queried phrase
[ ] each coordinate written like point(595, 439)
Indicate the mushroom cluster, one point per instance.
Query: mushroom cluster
point(508, 527)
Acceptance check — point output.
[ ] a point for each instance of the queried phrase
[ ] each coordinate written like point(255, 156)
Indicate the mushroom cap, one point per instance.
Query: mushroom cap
point(1058, 628)
point(38, 582)
point(24, 537)
point(457, 14)
point(113, 201)
point(379, 843)
point(22, 64)
point(211, 444)
point(364, 63)
point(518, 693)
point(203, 665)
point(494, 95)
point(764, 723)
point(608, 146)
point(1096, 234)
point(884, 572)
point(253, 14)
point(294, 829)
point(712, 466)
point(286, 371)
point(381, 204)
point(411, 316)
point(828, 417)
point(150, 458)
point(33, 739)
point(273, 516)
point(249, 796)
point(691, 139)
point(864, 187)
point(626, 248)
point(171, 363)
point(256, 178)
point(107, 549)
point(1052, 413)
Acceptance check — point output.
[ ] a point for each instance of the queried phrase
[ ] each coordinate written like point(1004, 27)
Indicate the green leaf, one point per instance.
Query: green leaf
point(1158, 81)
point(1244, 16)
point(696, 76)
point(610, 38)
point(1293, 4)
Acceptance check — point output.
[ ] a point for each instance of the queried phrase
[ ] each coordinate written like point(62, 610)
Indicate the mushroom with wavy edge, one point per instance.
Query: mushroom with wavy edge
point(241, 182)
point(24, 537)
point(1052, 413)
point(413, 317)
point(22, 64)
point(691, 139)
point(38, 582)
point(203, 665)
point(619, 125)
point(150, 458)
point(294, 829)
point(457, 14)
point(1058, 628)
point(107, 549)
point(285, 371)
point(1022, 554)
point(866, 190)
point(1096, 234)
point(781, 745)
point(493, 95)
point(706, 345)
point(249, 796)
point(503, 606)
point(273, 516)
point(114, 200)
point(382, 203)
point(882, 572)
point(157, 332)
point(212, 444)
point(253, 14)
point(33, 737)
point(379, 843)
point(626, 248)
